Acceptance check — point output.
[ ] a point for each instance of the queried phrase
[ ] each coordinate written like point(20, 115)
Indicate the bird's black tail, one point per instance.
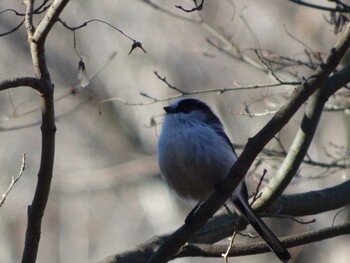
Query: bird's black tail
point(242, 206)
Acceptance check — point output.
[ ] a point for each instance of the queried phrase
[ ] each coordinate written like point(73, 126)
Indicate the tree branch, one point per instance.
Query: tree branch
point(29, 18)
point(141, 253)
point(22, 82)
point(204, 250)
point(313, 202)
point(302, 140)
point(36, 38)
point(303, 204)
point(222, 226)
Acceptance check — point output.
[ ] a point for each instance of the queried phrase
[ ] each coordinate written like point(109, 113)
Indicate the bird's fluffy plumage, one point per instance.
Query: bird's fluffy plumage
point(195, 155)
point(190, 167)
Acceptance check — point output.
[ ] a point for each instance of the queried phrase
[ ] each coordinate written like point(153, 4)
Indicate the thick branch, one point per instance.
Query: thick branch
point(141, 253)
point(309, 203)
point(203, 250)
point(22, 82)
point(314, 202)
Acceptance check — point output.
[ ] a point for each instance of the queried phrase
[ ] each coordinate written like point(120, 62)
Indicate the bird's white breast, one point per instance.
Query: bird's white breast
point(193, 158)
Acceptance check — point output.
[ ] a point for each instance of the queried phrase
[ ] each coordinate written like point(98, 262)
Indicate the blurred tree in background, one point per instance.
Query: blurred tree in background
point(100, 72)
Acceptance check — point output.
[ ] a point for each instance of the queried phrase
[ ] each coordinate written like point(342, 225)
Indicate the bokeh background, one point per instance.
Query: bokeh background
point(107, 195)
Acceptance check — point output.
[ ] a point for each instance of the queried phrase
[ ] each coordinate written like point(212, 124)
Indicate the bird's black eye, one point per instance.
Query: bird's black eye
point(186, 106)
point(186, 109)
point(189, 105)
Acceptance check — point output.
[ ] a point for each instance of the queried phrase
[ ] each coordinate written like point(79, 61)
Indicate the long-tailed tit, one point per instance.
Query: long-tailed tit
point(195, 155)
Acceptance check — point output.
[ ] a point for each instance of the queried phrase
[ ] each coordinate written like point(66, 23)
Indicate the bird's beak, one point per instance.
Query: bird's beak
point(168, 109)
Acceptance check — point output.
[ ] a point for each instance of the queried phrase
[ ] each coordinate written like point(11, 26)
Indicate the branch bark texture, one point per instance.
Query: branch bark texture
point(43, 84)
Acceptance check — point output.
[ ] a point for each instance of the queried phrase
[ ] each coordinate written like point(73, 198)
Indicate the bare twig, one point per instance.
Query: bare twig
point(136, 43)
point(198, 7)
point(40, 9)
point(255, 114)
point(250, 29)
point(231, 239)
point(181, 92)
point(12, 30)
point(12, 10)
point(14, 180)
point(257, 193)
point(339, 212)
point(297, 39)
point(159, 8)
point(343, 9)
point(71, 28)
point(301, 222)
point(37, 85)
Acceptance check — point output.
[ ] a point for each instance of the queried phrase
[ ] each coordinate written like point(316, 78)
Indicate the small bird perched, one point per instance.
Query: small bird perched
point(195, 155)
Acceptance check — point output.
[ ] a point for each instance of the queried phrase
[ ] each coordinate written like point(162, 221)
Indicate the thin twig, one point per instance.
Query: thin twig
point(301, 222)
point(186, 93)
point(34, 83)
point(71, 28)
point(136, 44)
point(198, 7)
point(343, 9)
point(231, 239)
point(339, 212)
point(257, 193)
point(14, 180)
point(13, 29)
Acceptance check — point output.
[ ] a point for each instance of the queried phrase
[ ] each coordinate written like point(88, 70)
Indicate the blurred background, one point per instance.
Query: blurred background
point(107, 195)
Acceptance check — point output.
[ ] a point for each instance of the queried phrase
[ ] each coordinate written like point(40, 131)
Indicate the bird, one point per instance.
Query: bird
point(195, 155)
